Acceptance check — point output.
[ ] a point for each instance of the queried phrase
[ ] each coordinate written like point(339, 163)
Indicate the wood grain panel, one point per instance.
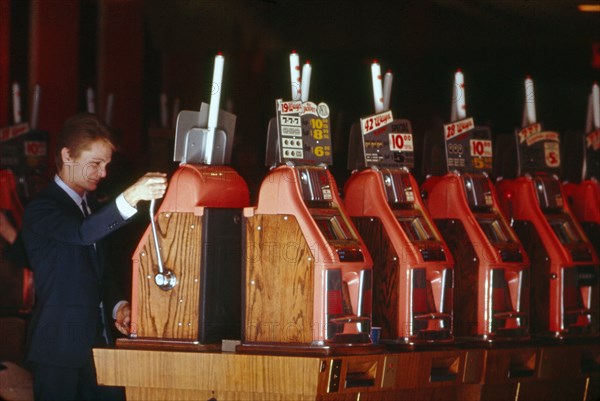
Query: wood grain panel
point(219, 372)
point(279, 286)
point(466, 277)
point(540, 276)
point(145, 394)
point(430, 369)
point(447, 393)
point(501, 392)
point(556, 390)
point(173, 313)
point(385, 276)
point(512, 365)
point(167, 375)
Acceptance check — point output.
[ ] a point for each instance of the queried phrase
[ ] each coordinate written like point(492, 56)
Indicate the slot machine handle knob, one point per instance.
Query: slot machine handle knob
point(165, 279)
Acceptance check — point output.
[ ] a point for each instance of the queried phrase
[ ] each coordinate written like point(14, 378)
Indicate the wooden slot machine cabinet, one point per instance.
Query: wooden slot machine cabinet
point(307, 274)
point(187, 265)
point(412, 266)
point(564, 264)
point(582, 170)
point(491, 274)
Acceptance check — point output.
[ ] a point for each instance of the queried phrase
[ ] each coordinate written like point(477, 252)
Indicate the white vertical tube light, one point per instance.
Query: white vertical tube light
point(377, 86)
point(296, 85)
point(90, 101)
point(529, 101)
point(459, 106)
point(35, 107)
point(387, 89)
point(305, 79)
point(215, 100)
point(16, 97)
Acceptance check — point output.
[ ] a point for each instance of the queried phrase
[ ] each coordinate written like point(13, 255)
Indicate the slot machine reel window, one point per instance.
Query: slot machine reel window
point(564, 229)
point(419, 232)
point(333, 227)
point(499, 235)
point(495, 231)
point(417, 229)
point(338, 233)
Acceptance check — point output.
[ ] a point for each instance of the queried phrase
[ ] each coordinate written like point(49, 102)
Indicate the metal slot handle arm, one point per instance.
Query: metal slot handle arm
point(165, 279)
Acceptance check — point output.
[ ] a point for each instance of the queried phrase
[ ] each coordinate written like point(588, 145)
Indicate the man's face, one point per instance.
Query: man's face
point(82, 174)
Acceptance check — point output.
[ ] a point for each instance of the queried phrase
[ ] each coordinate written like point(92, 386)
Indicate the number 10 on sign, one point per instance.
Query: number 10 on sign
point(481, 148)
point(401, 142)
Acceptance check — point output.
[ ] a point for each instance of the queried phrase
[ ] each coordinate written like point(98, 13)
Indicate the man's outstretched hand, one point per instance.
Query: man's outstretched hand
point(150, 186)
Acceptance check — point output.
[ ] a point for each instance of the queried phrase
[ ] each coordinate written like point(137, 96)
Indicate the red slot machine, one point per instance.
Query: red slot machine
point(564, 264)
point(307, 275)
point(412, 266)
point(582, 170)
point(187, 265)
point(24, 147)
point(23, 165)
point(18, 295)
point(491, 274)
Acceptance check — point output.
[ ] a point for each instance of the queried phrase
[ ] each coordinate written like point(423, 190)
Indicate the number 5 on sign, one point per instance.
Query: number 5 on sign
point(478, 163)
point(401, 142)
point(552, 154)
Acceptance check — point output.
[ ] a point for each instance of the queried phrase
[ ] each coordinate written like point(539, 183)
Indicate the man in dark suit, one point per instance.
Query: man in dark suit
point(62, 235)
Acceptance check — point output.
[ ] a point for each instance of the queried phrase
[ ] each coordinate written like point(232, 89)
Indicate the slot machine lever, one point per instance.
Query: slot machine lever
point(165, 279)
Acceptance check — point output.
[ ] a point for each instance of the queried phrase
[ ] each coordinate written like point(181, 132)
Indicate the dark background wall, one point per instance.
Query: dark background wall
point(137, 49)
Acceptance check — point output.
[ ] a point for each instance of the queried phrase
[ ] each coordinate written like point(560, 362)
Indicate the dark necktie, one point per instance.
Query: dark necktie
point(102, 325)
point(86, 212)
point(84, 208)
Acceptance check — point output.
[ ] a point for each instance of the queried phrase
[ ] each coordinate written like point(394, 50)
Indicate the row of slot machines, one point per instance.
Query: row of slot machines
point(23, 164)
point(308, 271)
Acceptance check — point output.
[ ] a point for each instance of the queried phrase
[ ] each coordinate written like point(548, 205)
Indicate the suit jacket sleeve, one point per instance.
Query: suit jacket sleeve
point(49, 219)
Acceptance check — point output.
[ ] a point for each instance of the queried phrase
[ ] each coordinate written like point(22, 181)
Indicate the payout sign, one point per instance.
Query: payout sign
point(401, 142)
point(481, 147)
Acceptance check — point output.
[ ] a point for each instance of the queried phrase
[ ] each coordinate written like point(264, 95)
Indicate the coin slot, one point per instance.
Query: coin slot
point(361, 374)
